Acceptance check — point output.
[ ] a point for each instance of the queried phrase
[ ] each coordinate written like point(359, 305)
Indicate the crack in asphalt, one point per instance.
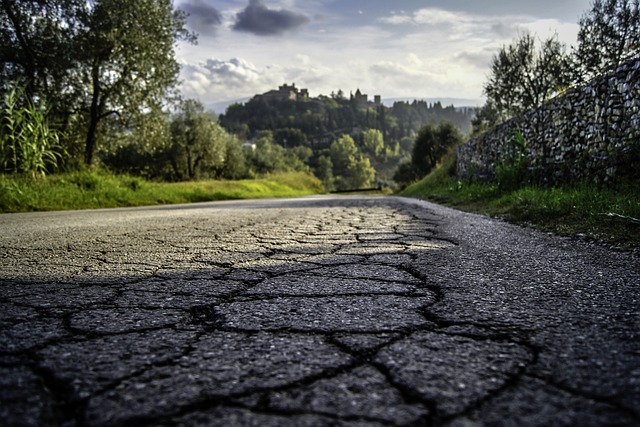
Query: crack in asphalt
point(338, 311)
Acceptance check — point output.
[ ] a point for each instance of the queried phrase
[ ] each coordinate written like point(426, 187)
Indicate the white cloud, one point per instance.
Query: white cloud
point(216, 79)
point(429, 52)
point(414, 60)
point(432, 16)
point(304, 59)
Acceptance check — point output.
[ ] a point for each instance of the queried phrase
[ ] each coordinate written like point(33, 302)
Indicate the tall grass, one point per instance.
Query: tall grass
point(27, 143)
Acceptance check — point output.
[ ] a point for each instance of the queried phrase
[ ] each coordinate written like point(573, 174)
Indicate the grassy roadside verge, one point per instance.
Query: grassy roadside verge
point(95, 189)
point(583, 210)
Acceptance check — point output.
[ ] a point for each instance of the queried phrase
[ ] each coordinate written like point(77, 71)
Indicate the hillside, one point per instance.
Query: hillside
point(293, 119)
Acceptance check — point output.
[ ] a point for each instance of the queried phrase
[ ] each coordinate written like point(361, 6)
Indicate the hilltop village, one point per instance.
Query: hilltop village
point(327, 131)
point(292, 93)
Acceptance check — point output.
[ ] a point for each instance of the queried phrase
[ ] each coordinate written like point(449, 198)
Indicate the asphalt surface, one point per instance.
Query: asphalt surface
point(325, 311)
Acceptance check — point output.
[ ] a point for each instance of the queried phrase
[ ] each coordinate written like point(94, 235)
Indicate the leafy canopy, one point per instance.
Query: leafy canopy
point(523, 75)
point(609, 35)
point(94, 59)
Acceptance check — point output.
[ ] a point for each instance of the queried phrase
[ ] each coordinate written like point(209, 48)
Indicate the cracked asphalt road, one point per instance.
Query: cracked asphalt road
point(323, 311)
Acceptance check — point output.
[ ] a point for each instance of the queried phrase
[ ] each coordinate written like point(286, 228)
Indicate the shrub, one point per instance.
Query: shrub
point(513, 172)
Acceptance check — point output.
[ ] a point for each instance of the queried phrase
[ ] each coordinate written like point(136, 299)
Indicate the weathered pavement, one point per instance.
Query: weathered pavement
point(350, 311)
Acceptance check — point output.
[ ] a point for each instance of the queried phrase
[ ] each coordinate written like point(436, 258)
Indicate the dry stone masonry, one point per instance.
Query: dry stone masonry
point(589, 133)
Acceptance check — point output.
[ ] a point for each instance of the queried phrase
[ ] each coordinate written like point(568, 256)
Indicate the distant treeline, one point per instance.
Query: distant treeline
point(316, 122)
point(383, 137)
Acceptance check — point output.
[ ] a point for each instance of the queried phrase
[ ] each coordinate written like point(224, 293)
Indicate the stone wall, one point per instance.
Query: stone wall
point(588, 133)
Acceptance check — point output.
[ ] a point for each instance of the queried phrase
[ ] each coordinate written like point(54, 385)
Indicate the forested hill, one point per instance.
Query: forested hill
point(316, 122)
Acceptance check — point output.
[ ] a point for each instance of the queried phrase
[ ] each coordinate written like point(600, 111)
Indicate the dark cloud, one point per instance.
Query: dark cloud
point(256, 18)
point(505, 30)
point(479, 59)
point(203, 18)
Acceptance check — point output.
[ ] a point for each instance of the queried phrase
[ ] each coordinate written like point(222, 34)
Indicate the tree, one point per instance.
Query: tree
point(523, 77)
point(406, 174)
point(268, 156)
point(373, 142)
point(487, 117)
point(235, 165)
point(350, 169)
point(142, 149)
point(198, 144)
point(95, 59)
point(37, 46)
point(431, 144)
point(609, 35)
point(324, 172)
point(127, 59)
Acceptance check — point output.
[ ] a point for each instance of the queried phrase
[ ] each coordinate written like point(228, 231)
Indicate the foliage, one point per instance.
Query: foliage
point(267, 156)
point(431, 144)
point(373, 143)
point(382, 134)
point(318, 121)
point(513, 171)
point(198, 143)
point(127, 59)
point(140, 150)
point(38, 47)
point(27, 143)
point(524, 76)
point(582, 210)
point(609, 35)
point(351, 170)
point(235, 165)
point(94, 60)
point(406, 173)
point(188, 145)
point(324, 171)
point(95, 189)
point(488, 116)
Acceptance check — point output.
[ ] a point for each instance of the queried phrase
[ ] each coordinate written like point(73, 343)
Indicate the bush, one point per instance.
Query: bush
point(406, 174)
point(513, 172)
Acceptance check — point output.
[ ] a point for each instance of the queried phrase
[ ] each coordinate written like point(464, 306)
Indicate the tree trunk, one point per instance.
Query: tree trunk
point(28, 61)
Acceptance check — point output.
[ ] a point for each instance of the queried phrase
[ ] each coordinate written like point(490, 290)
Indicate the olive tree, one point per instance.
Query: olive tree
point(128, 60)
point(609, 35)
point(93, 60)
point(351, 170)
point(198, 144)
point(37, 46)
point(523, 75)
point(431, 144)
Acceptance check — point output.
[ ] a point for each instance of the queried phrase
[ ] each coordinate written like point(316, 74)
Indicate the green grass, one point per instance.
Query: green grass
point(96, 189)
point(581, 210)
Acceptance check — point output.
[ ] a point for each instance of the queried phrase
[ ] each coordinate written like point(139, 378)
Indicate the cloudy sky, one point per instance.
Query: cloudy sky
point(394, 48)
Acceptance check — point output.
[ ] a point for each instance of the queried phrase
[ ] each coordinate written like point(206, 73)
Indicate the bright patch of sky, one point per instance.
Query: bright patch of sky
point(398, 48)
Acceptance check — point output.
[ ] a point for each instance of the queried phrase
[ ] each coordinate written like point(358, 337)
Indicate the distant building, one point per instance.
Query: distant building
point(284, 92)
point(361, 100)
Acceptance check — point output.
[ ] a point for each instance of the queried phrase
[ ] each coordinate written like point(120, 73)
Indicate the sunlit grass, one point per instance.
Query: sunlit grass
point(95, 189)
